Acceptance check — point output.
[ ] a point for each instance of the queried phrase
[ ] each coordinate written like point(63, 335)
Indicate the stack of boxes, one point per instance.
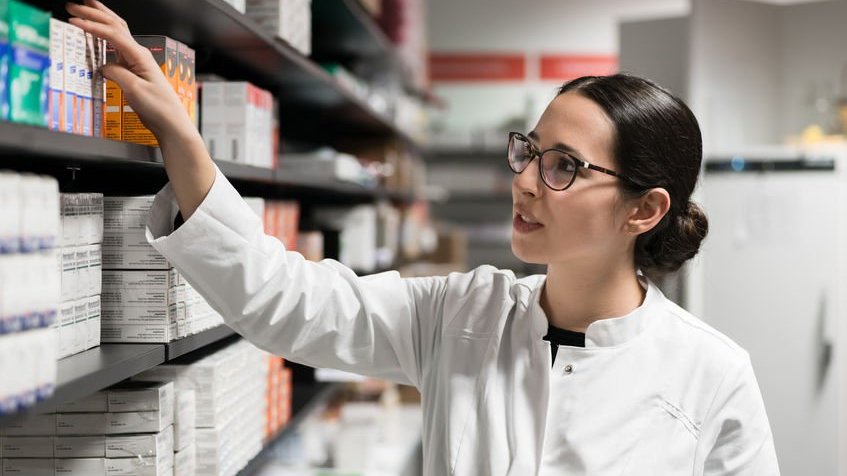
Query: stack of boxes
point(29, 289)
point(290, 20)
point(124, 431)
point(231, 391)
point(77, 87)
point(278, 396)
point(281, 219)
point(24, 63)
point(238, 123)
point(144, 299)
point(177, 62)
point(81, 267)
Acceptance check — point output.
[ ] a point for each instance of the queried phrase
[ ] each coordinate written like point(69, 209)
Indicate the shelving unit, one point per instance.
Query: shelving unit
point(87, 372)
point(314, 108)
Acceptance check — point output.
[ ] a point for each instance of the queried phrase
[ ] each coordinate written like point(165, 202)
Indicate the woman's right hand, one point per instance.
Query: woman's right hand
point(146, 89)
point(187, 163)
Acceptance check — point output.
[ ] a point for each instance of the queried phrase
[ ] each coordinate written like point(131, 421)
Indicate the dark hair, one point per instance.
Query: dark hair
point(657, 144)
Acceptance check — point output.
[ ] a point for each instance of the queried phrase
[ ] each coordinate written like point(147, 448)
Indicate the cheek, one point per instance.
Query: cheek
point(585, 220)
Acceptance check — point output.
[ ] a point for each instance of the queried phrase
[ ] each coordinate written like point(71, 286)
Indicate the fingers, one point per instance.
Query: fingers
point(125, 78)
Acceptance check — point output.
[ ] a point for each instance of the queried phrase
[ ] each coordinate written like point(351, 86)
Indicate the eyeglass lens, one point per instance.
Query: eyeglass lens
point(557, 168)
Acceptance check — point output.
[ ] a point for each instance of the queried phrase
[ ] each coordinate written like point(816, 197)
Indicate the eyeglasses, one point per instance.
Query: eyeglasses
point(556, 167)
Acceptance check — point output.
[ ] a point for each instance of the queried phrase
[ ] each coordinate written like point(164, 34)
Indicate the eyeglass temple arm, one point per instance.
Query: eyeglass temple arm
point(586, 165)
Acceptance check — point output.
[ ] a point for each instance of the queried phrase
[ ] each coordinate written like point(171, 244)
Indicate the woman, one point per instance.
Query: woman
point(638, 386)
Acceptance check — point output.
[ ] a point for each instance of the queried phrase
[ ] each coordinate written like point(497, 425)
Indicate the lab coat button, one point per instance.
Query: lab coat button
point(568, 369)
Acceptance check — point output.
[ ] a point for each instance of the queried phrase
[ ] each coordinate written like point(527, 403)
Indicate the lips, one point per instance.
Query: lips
point(524, 222)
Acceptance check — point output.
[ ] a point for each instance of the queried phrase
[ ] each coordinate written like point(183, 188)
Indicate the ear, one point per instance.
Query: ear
point(647, 211)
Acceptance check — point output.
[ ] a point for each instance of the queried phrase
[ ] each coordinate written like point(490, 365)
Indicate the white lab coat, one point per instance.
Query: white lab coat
point(656, 392)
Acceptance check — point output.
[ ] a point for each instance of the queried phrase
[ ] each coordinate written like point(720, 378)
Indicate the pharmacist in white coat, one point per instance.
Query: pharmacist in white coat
point(588, 370)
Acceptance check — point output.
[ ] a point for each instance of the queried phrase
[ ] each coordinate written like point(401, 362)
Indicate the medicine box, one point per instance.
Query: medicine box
point(28, 467)
point(29, 68)
point(185, 416)
point(57, 75)
point(80, 446)
point(166, 55)
point(5, 59)
point(185, 461)
point(140, 396)
point(140, 466)
point(159, 446)
point(113, 111)
point(27, 446)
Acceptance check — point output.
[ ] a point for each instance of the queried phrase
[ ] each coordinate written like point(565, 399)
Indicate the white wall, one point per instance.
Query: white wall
point(658, 50)
point(531, 27)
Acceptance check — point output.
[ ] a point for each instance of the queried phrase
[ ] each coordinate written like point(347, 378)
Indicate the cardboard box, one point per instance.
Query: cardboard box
point(138, 333)
point(80, 446)
point(29, 68)
point(159, 446)
point(214, 120)
point(166, 55)
point(80, 467)
point(27, 467)
point(57, 75)
point(140, 397)
point(27, 446)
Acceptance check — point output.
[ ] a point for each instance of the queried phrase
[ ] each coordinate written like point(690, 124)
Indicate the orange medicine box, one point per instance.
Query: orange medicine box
point(186, 85)
point(165, 52)
point(114, 103)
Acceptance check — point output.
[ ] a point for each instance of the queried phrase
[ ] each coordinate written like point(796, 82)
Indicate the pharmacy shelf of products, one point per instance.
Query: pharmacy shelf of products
point(319, 102)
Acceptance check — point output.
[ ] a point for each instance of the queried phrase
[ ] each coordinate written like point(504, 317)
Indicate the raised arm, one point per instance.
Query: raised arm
point(190, 169)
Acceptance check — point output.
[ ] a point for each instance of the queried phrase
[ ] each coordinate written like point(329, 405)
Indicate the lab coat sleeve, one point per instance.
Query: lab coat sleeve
point(739, 434)
point(318, 314)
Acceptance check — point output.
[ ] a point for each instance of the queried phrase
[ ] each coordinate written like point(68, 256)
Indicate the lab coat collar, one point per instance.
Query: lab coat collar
point(609, 332)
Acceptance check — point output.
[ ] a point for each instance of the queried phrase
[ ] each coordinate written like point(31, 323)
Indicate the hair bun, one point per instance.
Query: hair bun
point(666, 250)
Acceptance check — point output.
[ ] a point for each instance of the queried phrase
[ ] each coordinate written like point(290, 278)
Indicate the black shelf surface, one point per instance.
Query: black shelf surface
point(306, 399)
point(455, 155)
point(108, 166)
point(202, 339)
point(85, 373)
point(313, 106)
point(344, 31)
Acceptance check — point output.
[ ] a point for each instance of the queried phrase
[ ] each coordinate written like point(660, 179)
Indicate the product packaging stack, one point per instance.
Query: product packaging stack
point(231, 391)
point(177, 62)
point(238, 123)
point(77, 92)
point(356, 240)
point(290, 20)
point(24, 63)
point(123, 431)
point(81, 267)
point(278, 396)
point(29, 289)
point(144, 299)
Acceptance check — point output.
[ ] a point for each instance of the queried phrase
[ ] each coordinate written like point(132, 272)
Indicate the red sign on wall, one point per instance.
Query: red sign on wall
point(477, 67)
point(566, 67)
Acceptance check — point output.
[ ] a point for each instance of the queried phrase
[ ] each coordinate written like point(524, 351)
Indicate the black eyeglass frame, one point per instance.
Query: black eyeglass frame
point(534, 152)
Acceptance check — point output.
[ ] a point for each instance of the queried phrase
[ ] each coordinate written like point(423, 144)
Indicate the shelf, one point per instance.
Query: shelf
point(82, 374)
point(313, 106)
point(93, 162)
point(306, 399)
point(202, 339)
point(466, 155)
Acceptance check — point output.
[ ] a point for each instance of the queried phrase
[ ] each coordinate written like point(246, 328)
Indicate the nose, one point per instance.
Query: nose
point(527, 182)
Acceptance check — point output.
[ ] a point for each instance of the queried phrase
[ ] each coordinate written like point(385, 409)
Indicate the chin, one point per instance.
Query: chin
point(525, 255)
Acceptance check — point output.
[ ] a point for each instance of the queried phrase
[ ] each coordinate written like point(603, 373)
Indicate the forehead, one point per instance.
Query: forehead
point(579, 123)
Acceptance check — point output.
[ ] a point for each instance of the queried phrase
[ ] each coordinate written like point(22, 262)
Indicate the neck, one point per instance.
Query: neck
point(577, 294)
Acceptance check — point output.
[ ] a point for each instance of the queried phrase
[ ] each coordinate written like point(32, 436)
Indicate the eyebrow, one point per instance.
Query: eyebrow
point(558, 145)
